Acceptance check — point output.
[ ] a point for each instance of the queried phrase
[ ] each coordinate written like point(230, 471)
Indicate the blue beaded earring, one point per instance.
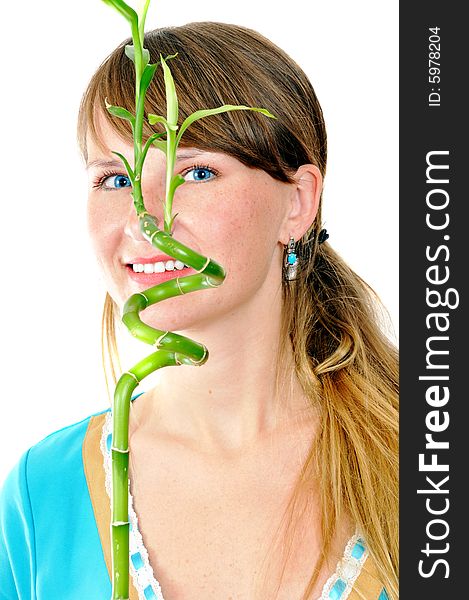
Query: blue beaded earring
point(291, 260)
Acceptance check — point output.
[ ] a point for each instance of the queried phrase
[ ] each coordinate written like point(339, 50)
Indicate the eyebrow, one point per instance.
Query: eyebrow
point(180, 154)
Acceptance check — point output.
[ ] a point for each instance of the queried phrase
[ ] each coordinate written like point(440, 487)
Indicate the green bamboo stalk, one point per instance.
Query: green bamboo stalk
point(171, 348)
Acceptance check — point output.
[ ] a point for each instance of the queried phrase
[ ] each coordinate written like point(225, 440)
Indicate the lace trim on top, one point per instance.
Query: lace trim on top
point(340, 584)
point(337, 587)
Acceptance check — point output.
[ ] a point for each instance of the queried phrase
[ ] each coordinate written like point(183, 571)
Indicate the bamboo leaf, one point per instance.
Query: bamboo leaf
point(171, 222)
point(161, 145)
point(130, 53)
point(172, 108)
point(170, 56)
point(153, 139)
point(142, 18)
point(152, 119)
point(124, 9)
point(200, 114)
point(127, 166)
point(147, 76)
point(176, 181)
point(122, 113)
point(149, 71)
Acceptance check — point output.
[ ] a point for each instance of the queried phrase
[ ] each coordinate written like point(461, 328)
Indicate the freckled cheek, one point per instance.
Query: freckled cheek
point(231, 238)
point(253, 216)
point(105, 231)
point(256, 236)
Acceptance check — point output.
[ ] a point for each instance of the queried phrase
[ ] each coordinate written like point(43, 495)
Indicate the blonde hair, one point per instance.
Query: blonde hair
point(331, 318)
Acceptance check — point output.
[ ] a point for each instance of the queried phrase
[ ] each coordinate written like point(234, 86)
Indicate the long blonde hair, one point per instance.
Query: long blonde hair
point(331, 318)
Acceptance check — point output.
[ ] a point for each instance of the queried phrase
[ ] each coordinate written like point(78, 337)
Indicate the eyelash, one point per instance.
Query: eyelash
point(99, 183)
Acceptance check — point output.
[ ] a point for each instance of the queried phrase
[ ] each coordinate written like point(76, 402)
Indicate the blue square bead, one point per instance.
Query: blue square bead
point(149, 593)
point(137, 560)
point(291, 259)
point(337, 589)
point(358, 550)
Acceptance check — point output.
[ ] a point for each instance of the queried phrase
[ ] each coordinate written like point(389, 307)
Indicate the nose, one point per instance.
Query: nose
point(132, 228)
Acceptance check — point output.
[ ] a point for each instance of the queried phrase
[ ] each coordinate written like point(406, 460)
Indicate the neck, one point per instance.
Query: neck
point(232, 401)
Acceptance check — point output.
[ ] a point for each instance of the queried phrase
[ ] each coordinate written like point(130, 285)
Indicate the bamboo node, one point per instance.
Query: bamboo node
point(205, 265)
point(132, 375)
point(179, 286)
point(198, 362)
point(158, 341)
point(120, 450)
point(207, 279)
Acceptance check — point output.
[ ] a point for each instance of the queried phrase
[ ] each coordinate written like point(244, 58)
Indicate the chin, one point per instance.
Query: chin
point(171, 318)
point(194, 311)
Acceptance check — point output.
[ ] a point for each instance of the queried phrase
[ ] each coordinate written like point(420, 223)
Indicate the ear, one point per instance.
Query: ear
point(304, 203)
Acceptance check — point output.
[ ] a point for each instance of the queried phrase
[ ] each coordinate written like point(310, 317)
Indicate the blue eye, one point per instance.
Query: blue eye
point(117, 181)
point(201, 173)
point(112, 181)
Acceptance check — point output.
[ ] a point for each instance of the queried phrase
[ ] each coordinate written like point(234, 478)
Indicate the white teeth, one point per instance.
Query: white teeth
point(159, 267)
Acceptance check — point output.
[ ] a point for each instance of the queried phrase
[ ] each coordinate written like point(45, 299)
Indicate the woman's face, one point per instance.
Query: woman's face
point(226, 211)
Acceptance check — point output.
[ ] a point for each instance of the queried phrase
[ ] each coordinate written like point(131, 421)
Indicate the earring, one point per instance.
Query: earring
point(291, 260)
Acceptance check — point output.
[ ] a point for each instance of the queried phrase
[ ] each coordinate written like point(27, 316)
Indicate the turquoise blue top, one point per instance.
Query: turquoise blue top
point(50, 544)
point(42, 556)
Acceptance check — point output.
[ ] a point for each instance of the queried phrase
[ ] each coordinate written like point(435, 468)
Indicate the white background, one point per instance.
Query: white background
point(51, 295)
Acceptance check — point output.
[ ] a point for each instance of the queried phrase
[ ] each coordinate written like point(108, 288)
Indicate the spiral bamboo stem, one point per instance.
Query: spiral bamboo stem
point(172, 349)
